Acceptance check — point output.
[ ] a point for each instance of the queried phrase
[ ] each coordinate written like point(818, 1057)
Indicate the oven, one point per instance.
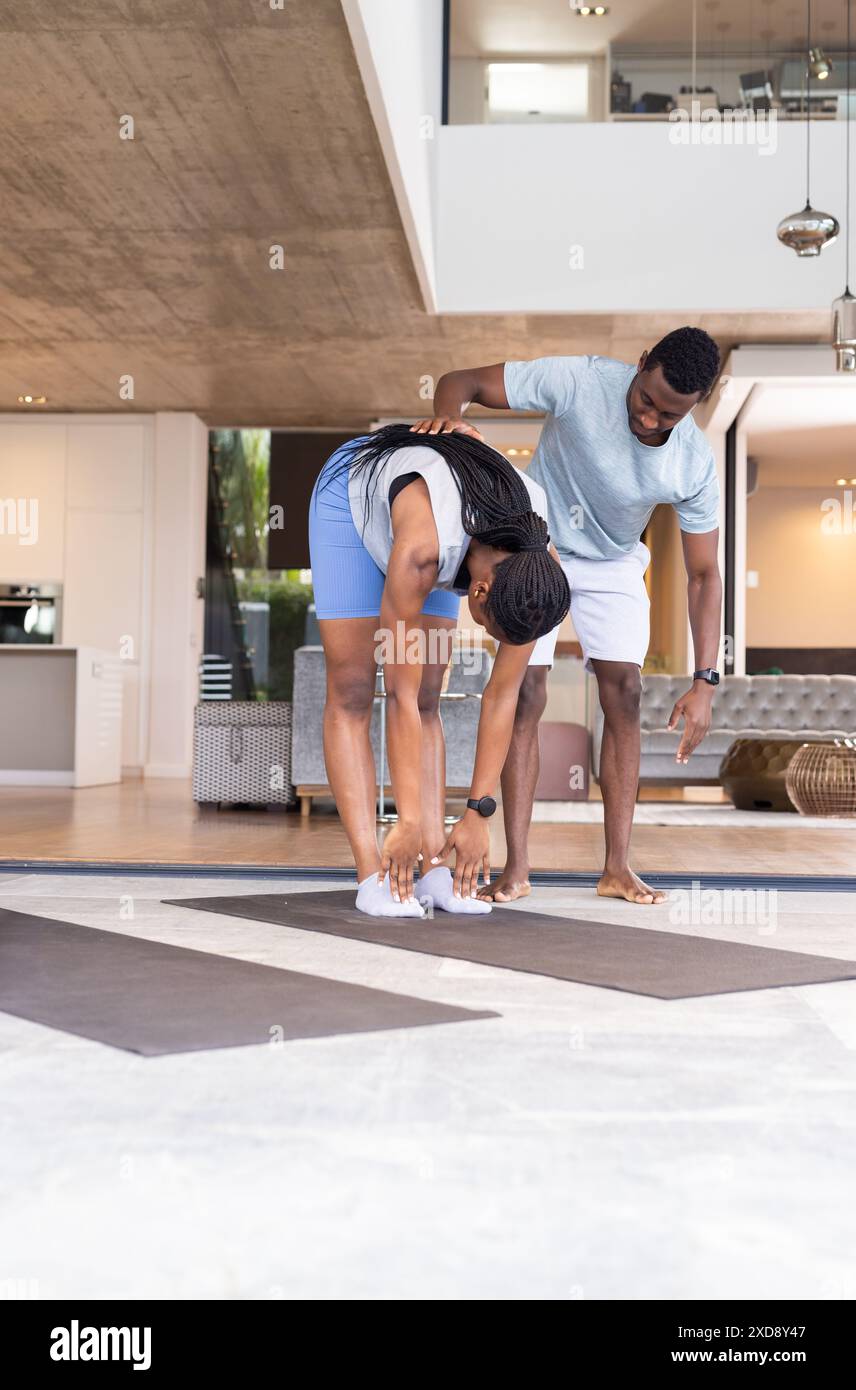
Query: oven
point(31, 613)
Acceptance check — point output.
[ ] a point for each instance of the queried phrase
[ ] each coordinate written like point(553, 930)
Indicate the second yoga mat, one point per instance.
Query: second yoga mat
point(640, 960)
point(153, 998)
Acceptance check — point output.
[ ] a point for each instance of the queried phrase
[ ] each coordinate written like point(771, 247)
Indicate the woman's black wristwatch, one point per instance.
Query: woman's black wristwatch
point(485, 805)
point(708, 674)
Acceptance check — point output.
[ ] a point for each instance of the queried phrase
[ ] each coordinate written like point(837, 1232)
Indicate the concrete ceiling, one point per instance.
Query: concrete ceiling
point(149, 257)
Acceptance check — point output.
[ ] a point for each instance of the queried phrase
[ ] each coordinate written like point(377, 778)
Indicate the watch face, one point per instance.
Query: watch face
point(487, 806)
point(714, 678)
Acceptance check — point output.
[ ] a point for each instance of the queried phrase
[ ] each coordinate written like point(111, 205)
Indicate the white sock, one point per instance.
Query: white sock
point(376, 899)
point(438, 886)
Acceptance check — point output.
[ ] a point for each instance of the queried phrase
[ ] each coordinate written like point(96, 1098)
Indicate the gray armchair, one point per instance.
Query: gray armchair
point(460, 705)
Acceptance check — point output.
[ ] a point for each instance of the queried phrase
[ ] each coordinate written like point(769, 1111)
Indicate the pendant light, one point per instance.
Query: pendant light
point(818, 64)
point(844, 308)
point(807, 232)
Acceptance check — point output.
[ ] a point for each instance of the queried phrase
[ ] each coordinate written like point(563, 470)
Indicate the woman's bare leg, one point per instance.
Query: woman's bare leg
point(436, 884)
point(349, 651)
point(433, 742)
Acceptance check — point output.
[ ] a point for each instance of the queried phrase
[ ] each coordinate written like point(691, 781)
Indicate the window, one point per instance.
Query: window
point(538, 91)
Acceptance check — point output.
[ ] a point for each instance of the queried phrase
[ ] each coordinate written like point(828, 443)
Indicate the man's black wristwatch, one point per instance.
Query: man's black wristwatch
point(485, 805)
point(708, 674)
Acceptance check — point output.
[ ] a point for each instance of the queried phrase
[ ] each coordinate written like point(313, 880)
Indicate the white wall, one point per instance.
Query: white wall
point(107, 558)
point(178, 613)
point(33, 475)
point(399, 48)
point(121, 525)
point(662, 227)
point(88, 476)
point(806, 570)
point(469, 79)
point(467, 100)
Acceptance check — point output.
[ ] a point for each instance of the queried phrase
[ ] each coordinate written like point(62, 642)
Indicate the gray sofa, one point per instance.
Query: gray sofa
point(812, 708)
point(459, 710)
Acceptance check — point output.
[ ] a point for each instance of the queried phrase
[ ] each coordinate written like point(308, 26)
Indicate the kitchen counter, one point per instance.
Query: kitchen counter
point(60, 716)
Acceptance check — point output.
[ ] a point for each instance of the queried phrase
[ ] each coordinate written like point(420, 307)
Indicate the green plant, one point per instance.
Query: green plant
point(288, 600)
point(243, 460)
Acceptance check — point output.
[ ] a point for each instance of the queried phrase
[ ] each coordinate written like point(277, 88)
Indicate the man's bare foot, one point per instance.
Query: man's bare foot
point(506, 888)
point(625, 884)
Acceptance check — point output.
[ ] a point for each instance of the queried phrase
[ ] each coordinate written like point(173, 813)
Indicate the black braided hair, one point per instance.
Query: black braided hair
point(529, 595)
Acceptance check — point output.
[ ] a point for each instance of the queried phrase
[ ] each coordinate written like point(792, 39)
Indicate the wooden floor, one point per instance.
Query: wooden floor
point(157, 822)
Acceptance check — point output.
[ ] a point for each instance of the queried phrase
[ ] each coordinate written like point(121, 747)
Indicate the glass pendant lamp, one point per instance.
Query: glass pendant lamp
point(808, 231)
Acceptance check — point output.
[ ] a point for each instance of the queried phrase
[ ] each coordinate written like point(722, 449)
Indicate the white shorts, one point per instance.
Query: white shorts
point(609, 610)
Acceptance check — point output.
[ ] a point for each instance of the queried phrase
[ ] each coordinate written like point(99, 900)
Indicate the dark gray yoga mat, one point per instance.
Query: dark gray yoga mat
point(640, 960)
point(152, 998)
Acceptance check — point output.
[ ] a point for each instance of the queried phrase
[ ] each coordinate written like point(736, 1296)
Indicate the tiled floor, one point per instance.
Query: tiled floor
point(587, 1144)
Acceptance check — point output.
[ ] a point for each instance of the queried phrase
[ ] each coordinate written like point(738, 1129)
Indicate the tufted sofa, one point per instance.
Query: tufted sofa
point(812, 708)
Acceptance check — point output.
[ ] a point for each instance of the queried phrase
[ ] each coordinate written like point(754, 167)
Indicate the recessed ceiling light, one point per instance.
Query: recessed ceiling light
point(585, 11)
point(853, 482)
point(840, 482)
point(32, 400)
point(512, 453)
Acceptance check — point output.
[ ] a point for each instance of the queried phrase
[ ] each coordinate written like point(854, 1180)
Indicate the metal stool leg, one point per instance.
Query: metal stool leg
point(382, 817)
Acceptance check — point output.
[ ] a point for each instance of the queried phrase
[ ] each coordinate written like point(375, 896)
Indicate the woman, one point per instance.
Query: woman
point(398, 531)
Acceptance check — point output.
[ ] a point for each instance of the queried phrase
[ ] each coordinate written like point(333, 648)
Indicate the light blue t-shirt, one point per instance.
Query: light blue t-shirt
point(602, 485)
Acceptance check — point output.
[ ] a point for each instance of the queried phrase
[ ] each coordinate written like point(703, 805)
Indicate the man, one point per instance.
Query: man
point(616, 441)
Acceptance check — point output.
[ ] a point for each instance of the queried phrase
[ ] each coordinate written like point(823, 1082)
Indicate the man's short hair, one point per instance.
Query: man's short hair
point(689, 358)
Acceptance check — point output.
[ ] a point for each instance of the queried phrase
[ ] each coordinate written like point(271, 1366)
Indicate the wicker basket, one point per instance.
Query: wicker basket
point(821, 779)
